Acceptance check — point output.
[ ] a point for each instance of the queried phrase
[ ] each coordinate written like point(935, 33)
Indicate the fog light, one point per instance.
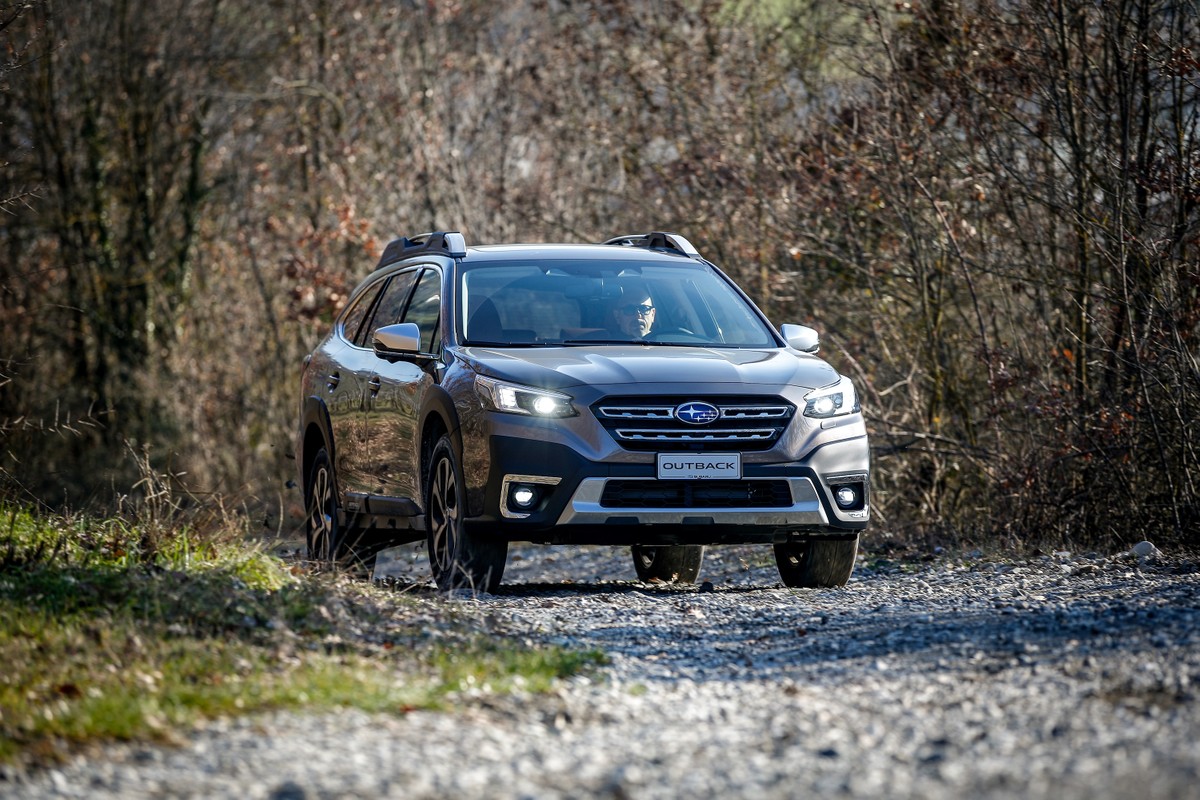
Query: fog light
point(524, 496)
point(846, 496)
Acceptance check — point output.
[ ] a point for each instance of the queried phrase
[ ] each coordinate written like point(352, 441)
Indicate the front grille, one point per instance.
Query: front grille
point(742, 424)
point(620, 493)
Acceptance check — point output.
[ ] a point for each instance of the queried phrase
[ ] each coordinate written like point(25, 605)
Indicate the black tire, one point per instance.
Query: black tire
point(673, 564)
point(458, 559)
point(816, 563)
point(323, 533)
point(330, 542)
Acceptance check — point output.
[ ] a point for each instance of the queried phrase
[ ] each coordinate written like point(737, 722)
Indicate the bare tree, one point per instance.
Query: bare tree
point(990, 210)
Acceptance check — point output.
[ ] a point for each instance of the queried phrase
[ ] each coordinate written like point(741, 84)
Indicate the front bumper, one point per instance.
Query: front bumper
point(573, 505)
point(586, 508)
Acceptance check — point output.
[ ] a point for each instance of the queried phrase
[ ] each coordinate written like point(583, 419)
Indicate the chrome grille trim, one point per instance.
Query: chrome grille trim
point(637, 412)
point(755, 412)
point(668, 412)
point(726, 435)
point(744, 422)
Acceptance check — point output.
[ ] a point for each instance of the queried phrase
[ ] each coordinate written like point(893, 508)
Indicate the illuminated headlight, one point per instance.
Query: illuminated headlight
point(832, 401)
point(516, 399)
point(524, 497)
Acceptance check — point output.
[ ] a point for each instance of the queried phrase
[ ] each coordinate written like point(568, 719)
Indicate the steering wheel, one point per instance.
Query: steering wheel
point(680, 335)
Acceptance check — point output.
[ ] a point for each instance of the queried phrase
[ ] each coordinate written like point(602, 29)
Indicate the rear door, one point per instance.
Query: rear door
point(344, 369)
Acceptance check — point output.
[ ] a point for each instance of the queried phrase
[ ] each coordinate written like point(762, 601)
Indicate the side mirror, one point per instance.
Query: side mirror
point(391, 341)
point(801, 337)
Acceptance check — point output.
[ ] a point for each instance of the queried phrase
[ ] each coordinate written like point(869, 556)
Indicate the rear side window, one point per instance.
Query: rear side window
point(352, 321)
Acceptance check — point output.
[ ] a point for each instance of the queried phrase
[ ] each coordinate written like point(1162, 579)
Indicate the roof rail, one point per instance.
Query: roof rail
point(447, 243)
point(657, 240)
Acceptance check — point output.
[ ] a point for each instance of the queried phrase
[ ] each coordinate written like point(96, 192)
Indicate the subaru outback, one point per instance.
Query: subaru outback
point(625, 393)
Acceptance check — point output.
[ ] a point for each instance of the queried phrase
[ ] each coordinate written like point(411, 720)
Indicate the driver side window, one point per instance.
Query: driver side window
point(390, 305)
point(425, 309)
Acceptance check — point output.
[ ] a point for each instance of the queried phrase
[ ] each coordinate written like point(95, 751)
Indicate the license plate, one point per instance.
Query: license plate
point(699, 466)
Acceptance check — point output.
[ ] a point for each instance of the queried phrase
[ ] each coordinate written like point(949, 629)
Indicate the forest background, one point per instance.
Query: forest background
point(990, 210)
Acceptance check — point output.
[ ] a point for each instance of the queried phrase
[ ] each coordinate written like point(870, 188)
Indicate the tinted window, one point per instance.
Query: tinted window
point(563, 301)
point(395, 297)
point(425, 309)
point(352, 320)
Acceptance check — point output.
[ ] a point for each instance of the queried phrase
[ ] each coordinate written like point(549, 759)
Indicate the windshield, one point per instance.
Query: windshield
point(559, 302)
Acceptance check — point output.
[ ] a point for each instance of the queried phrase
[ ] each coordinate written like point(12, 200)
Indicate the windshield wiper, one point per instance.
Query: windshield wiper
point(603, 341)
point(475, 343)
point(642, 342)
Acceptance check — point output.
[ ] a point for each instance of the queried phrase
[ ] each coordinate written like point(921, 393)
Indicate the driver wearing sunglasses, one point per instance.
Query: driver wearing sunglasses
point(634, 317)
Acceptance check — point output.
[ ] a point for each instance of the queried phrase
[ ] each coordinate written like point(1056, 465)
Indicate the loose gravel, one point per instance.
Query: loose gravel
point(1070, 676)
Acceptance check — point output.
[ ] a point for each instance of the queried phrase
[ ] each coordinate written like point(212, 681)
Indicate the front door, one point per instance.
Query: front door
point(395, 397)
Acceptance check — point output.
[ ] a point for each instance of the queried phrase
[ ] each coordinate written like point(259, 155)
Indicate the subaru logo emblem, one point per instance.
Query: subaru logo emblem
point(695, 413)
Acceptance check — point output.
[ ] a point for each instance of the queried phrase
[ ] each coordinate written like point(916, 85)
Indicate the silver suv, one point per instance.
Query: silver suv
point(625, 393)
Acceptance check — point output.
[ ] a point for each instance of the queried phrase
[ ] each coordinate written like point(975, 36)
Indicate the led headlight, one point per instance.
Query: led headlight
point(516, 399)
point(832, 401)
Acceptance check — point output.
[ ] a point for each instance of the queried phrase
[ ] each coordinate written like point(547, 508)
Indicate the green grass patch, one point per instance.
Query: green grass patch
point(108, 632)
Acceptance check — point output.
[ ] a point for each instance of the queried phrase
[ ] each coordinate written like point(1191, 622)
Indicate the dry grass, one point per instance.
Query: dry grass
point(114, 631)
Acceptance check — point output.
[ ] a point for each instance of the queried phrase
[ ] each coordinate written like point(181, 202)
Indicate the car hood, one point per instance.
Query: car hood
point(564, 367)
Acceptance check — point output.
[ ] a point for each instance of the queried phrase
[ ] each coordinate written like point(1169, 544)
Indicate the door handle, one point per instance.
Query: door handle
point(333, 380)
point(374, 385)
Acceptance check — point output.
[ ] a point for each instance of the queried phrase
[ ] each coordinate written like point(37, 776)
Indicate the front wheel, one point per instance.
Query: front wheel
point(816, 563)
point(457, 558)
point(673, 564)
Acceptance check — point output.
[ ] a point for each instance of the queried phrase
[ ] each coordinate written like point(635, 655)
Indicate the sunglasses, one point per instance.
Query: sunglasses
point(641, 310)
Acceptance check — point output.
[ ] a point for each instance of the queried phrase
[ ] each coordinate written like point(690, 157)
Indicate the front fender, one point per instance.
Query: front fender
point(461, 422)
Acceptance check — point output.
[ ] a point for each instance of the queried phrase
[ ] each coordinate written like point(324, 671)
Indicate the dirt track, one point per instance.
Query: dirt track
point(1063, 676)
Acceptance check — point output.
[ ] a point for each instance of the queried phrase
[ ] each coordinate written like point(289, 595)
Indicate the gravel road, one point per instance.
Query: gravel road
point(1061, 676)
